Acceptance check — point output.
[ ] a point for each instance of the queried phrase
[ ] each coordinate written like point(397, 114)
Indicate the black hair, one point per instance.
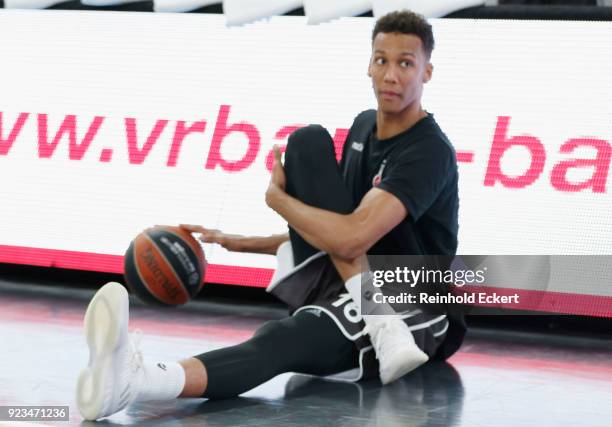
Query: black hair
point(406, 22)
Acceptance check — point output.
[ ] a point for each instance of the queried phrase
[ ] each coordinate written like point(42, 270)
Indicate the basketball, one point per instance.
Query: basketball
point(165, 266)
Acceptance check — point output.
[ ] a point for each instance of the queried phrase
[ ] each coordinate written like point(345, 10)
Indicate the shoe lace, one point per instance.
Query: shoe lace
point(136, 360)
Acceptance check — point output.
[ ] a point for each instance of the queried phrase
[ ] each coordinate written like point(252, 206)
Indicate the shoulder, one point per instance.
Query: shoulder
point(431, 139)
point(364, 120)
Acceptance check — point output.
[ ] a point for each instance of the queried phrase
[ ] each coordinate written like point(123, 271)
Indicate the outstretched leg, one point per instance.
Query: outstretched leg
point(308, 343)
point(117, 375)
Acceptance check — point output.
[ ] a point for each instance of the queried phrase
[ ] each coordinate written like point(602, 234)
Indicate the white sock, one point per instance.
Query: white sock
point(353, 286)
point(161, 381)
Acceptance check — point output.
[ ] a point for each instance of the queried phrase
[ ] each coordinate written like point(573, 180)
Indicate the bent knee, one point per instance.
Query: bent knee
point(310, 132)
point(309, 142)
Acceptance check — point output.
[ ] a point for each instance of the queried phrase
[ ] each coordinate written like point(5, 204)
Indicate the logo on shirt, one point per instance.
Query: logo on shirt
point(357, 146)
point(378, 177)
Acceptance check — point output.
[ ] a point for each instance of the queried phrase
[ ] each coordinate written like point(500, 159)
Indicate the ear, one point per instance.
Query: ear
point(370, 68)
point(428, 72)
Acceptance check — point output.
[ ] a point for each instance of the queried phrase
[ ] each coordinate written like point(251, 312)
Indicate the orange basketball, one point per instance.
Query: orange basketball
point(165, 265)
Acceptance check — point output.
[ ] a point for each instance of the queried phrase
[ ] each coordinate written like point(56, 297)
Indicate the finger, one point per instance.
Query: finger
point(192, 228)
point(277, 154)
point(207, 238)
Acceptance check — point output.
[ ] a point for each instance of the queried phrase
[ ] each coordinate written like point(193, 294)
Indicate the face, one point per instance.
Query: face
point(398, 68)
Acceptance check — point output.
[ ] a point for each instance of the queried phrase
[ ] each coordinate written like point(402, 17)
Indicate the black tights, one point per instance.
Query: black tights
point(314, 177)
point(308, 343)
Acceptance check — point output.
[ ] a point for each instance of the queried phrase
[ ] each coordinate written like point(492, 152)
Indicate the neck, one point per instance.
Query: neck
point(391, 124)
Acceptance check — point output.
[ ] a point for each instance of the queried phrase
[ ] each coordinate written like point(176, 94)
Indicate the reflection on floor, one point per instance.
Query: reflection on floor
point(489, 382)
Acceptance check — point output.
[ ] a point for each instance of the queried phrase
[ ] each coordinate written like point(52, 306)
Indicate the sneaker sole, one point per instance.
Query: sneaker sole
point(103, 327)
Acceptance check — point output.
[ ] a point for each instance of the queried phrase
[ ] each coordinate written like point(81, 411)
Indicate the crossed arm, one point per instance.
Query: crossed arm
point(343, 236)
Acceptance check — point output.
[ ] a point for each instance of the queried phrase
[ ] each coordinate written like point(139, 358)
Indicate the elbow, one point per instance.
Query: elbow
point(348, 248)
point(350, 242)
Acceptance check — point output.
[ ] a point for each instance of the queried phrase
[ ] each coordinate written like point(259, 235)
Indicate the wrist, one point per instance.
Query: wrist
point(233, 243)
point(274, 196)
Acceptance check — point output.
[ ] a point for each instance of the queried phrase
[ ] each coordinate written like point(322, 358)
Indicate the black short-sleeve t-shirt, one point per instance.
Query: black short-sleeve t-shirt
point(419, 167)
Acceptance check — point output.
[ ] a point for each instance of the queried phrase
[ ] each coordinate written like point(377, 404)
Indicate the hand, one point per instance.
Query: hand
point(278, 179)
point(278, 171)
point(231, 242)
point(207, 235)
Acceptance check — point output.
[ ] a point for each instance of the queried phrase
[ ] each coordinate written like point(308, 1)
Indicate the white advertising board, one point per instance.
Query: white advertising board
point(113, 122)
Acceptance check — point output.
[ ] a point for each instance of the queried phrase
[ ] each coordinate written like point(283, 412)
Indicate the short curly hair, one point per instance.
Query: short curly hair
point(406, 22)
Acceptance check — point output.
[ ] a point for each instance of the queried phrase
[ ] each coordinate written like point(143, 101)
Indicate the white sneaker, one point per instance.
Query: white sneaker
point(396, 351)
point(110, 380)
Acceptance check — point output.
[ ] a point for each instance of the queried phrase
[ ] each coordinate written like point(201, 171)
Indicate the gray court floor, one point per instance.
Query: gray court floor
point(496, 379)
